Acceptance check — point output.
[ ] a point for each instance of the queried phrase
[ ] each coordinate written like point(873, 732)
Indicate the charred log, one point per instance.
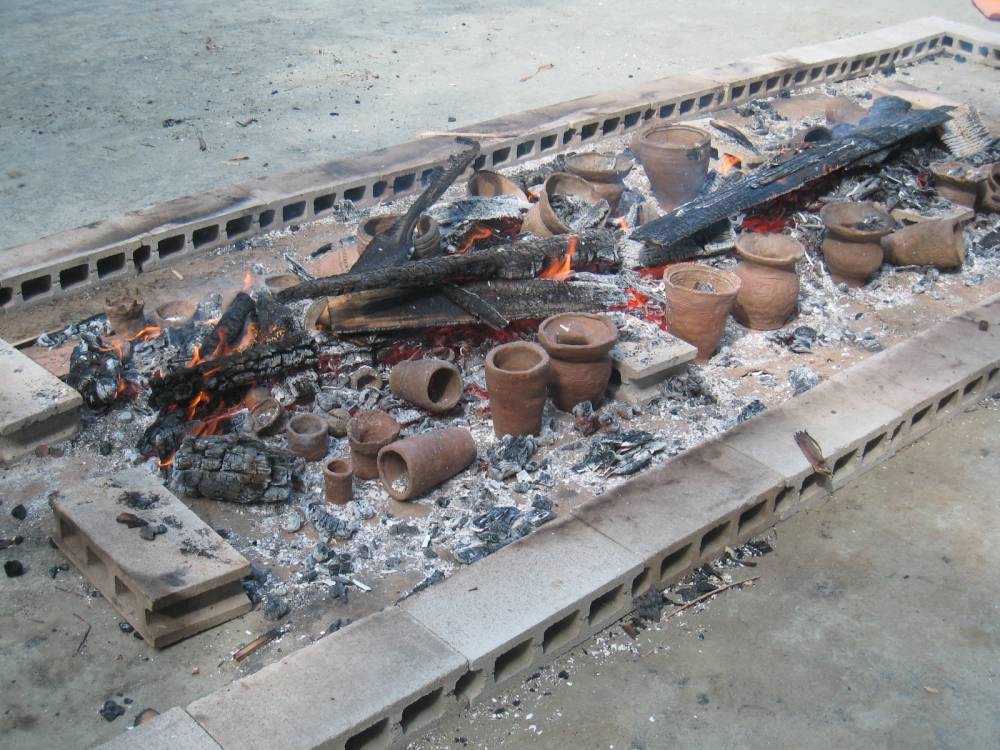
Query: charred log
point(236, 468)
point(230, 325)
point(96, 371)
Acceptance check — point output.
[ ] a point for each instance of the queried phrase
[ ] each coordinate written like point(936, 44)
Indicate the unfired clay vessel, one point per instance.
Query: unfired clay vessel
point(431, 384)
point(958, 182)
point(606, 174)
point(126, 314)
point(410, 467)
point(338, 481)
point(699, 299)
point(578, 345)
point(307, 436)
point(852, 247)
point(426, 237)
point(281, 281)
point(179, 312)
point(517, 376)
point(541, 220)
point(989, 191)
point(367, 433)
point(929, 243)
point(770, 285)
point(675, 158)
point(486, 184)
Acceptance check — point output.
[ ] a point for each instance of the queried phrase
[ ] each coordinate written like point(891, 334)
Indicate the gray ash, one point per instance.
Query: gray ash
point(579, 214)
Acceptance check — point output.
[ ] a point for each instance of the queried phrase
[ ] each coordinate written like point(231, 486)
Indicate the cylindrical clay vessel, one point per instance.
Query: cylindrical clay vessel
point(432, 384)
point(675, 158)
point(517, 376)
point(338, 481)
point(412, 466)
point(930, 243)
point(578, 345)
point(699, 299)
point(852, 247)
point(541, 219)
point(307, 436)
point(367, 433)
point(606, 174)
point(769, 288)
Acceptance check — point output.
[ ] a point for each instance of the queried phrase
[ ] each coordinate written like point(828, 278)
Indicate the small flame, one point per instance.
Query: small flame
point(479, 232)
point(622, 223)
point(197, 358)
point(561, 268)
point(728, 163)
point(247, 282)
point(147, 333)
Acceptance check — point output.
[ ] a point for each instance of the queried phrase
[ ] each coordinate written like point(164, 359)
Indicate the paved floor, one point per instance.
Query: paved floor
point(875, 624)
point(102, 104)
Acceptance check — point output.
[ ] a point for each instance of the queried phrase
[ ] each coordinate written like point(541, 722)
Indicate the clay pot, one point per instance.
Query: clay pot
point(173, 314)
point(958, 182)
point(126, 315)
point(578, 345)
point(840, 109)
point(699, 299)
point(989, 191)
point(853, 253)
point(606, 174)
point(432, 384)
point(276, 283)
point(770, 286)
point(675, 158)
point(426, 236)
point(930, 243)
point(307, 436)
point(317, 315)
point(486, 184)
point(410, 467)
point(367, 434)
point(338, 481)
point(541, 220)
point(517, 376)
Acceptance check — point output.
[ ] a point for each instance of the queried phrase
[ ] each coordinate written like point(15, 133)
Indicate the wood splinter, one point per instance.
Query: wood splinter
point(813, 453)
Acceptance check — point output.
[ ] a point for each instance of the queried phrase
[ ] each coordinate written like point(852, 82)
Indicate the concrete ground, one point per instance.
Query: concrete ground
point(102, 104)
point(875, 623)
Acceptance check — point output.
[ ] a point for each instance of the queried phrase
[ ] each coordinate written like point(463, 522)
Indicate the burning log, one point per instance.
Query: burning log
point(770, 182)
point(524, 259)
point(237, 468)
point(229, 329)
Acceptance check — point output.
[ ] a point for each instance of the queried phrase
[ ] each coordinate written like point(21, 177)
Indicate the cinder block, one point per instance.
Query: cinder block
point(380, 681)
point(173, 730)
point(529, 602)
point(168, 588)
point(36, 408)
point(686, 511)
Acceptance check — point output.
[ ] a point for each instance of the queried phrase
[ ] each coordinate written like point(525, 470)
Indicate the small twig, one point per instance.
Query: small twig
point(708, 595)
point(86, 633)
point(256, 643)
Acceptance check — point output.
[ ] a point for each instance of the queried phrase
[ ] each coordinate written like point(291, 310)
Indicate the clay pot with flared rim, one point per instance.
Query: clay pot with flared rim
point(606, 174)
point(338, 481)
point(989, 191)
point(541, 220)
point(426, 235)
point(675, 158)
point(853, 254)
point(578, 344)
point(517, 376)
point(307, 436)
point(410, 467)
point(937, 243)
point(276, 283)
point(769, 288)
point(126, 315)
point(174, 314)
point(699, 299)
point(367, 433)
point(958, 182)
point(432, 384)
point(486, 184)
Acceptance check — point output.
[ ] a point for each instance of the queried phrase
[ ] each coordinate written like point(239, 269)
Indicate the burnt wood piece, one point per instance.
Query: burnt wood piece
point(475, 305)
point(776, 180)
point(230, 325)
point(405, 309)
point(395, 246)
point(237, 468)
point(258, 364)
point(523, 259)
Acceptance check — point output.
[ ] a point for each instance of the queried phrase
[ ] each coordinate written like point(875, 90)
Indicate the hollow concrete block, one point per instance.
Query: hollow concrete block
point(173, 730)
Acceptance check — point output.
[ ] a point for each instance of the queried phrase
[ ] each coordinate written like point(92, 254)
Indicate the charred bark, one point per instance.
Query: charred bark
point(230, 325)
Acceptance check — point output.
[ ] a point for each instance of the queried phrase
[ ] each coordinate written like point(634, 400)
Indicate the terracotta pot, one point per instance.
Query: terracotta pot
point(541, 220)
point(486, 184)
point(517, 376)
point(675, 158)
point(338, 481)
point(606, 174)
point(840, 109)
point(696, 313)
point(173, 314)
point(432, 384)
point(958, 182)
point(280, 281)
point(307, 436)
point(930, 243)
point(578, 345)
point(770, 285)
point(989, 191)
point(853, 253)
point(367, 434)
point(410, 467)
point(426, 237)
point(126, 315)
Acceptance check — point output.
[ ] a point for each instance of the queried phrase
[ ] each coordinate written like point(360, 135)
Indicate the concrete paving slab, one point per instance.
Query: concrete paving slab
point(173, 730)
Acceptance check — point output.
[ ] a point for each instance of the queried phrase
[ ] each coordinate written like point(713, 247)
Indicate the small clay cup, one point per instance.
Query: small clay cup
point(694, 313)
point(937, 243)
point(541, 220)
point(675, 158)
point(276, 283)
point(410, 467)
point(367, 434)
point(307, 436)
point(338, 481)
point(426, 236)
point(606, 174)
point(770, 286)
point(578, 345)
point(989, 191)
point(174, 314)
point(432, 384)
point(958, 182)
point(853, 254)
point(517, 376)
point(486, 184)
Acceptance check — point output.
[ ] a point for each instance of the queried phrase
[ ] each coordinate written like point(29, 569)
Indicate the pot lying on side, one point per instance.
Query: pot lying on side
point(542, 219)
point(426, 236)
point(930, 243)
point(606, 174)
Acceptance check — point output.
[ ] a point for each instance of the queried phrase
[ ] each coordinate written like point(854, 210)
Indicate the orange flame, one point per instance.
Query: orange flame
point(561, 268)
point(197, 358)
point(147, 333)
point(729, 163)
point(478, 232)
point(622, 223)
point(247, 282)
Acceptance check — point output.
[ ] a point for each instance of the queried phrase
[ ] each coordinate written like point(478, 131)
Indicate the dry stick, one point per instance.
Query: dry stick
point(256, 643)
point(708, 595)
point(83, 640)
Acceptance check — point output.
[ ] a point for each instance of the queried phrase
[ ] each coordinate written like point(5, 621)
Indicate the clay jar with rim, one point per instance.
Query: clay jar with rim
point(853, 254)
point(426, 235)
point(367, 433)
point(937, 243)
point(769, 288)
point(958, 182)
point(605, 173)
point(432, 384)
point(410, 467)
point(675, 158)
point(578, 345)
point(486, 184)
point(276, 283)
point(696, 313)
point(176, 313)
point(541, 219)
point(307, 436)
point(338, 481)
point(517, 376)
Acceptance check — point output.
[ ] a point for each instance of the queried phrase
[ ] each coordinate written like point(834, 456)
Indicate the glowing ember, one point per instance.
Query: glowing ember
point(561, 268)
point(728, 163)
